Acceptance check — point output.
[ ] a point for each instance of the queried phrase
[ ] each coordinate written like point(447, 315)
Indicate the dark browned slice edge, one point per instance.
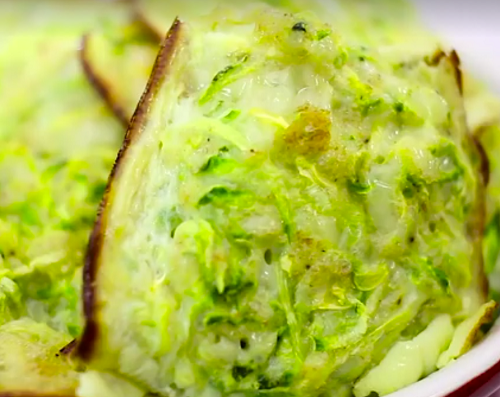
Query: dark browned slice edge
point(68, 349)
point(454, 60)
point(478, 134)
point(482, 215)
point(479, 225)
point(168, 50)
point(484, 161)
point(476, 225)
point(99, 83)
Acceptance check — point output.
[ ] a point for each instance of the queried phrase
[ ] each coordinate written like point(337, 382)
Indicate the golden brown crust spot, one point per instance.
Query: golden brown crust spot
point(309, 133)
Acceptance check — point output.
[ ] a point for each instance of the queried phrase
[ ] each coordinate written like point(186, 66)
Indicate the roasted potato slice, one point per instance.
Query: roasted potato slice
point(32, 363)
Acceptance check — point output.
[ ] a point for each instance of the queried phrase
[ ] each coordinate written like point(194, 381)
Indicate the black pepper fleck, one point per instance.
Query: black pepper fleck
point(268, 256)
point(299, 27)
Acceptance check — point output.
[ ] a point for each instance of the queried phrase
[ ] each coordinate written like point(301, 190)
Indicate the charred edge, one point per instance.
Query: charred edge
point(455, 61)
point(435, 59)
point(148, 28)
point(484, 165)
point(483, 278)
point(476, 232)
point(86, 346)
point(68, 348)
point(477, 224)
point(160, 71)
point(481, 226)
point(100, 85)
